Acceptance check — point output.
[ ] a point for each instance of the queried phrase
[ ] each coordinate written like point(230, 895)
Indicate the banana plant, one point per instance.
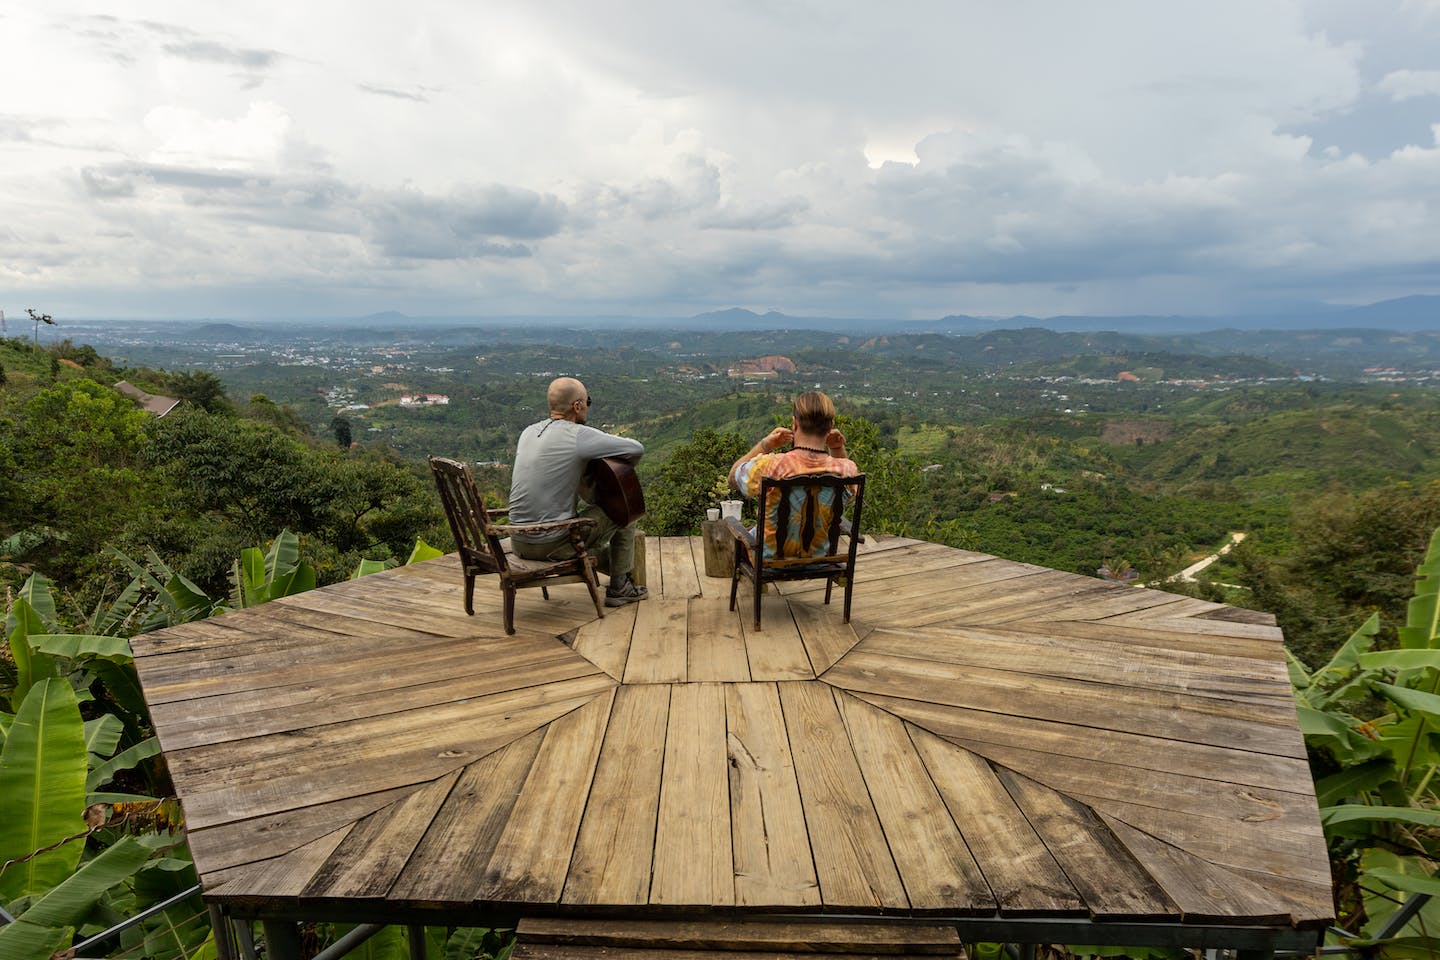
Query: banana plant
point(1374, 717)
point(258, 577)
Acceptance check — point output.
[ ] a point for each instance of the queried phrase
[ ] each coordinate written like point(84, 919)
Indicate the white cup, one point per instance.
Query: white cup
point(731, 508)
point(712, 513)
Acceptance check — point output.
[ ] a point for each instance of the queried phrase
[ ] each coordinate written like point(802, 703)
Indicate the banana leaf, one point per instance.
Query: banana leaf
point(42, 790)
point(84, 646)
point(30, 666)
point(1409, 882)
point(1350, 812)
point(25, 939)
point(1354, 781)
point(102, 735)
point(39, 592)
point(1426, 659)
point(1422, 622)
point(422, 552)
point(68, 902)
point(103, 773)
point(367, 567)
point(1416, 700)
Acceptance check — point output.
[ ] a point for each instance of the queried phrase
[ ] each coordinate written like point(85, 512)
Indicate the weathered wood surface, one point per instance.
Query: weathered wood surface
point(985, 737)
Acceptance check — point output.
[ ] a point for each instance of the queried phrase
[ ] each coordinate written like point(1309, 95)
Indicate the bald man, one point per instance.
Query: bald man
point(550, 461)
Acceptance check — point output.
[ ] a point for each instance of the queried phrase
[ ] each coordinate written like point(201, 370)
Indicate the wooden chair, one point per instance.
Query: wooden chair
point(796, 514)
point(482, 553)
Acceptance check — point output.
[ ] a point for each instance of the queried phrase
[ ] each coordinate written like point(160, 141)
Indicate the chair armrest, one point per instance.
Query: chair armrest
point(738, 530)
point(579, 524)
point(498, 512)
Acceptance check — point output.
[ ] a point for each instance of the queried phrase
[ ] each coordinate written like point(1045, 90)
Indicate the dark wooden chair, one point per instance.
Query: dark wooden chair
point(482, 553)
point(798, 513)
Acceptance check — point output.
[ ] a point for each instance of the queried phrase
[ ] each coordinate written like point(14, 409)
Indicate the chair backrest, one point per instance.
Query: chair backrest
point(807, 518)
point(478, 542)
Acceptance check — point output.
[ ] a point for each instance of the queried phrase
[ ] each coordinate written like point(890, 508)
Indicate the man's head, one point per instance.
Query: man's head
point(568, 399)
point(814, 413)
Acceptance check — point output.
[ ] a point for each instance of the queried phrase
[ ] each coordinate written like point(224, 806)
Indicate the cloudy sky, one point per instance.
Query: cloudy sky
point(661, 158)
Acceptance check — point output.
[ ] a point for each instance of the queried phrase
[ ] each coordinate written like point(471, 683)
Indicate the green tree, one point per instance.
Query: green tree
point(200, 388)
point(340, 426)
point(692, 479)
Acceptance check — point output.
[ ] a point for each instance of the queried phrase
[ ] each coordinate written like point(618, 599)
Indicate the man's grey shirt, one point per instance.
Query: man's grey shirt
point(550, 461)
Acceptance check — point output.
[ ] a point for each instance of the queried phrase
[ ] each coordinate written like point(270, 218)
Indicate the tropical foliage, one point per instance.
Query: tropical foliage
point(1371, 719)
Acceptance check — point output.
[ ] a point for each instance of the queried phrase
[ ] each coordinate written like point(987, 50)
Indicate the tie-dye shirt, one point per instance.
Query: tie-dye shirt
point(781, 466)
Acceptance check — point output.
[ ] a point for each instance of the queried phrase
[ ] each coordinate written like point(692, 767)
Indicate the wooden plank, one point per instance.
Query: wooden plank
point(934, 864)
point(716, 642)
point(286, 876)
point(775, 651)
point(773, 867)
point(710, 587)
point(1258, 726)
point(1032, 651)
point(852, 861)
point(980, 731)
point(1147, 635)
point(611, 863)
point(693, 864)
point(658, 645)
point(533, 853)
point(1023, 876)
point(803, 936)
point(606, 642)
point(1293, 855)
point(1112, 885)
point(447, 863)
point(217, 848)
point(682, 580)
point(214, 721)
point(370, 858)
point(823, 630)
point(1204, 893)
point(1238, 812)
point(376, 756)
point(548, 951)
point(915, 560)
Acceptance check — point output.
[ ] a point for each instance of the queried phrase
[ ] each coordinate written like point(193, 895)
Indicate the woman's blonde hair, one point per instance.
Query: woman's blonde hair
point(814, 413)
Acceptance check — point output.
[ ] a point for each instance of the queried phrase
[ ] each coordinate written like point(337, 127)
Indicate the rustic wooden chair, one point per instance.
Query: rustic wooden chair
point(482, 553)
point(797, 513)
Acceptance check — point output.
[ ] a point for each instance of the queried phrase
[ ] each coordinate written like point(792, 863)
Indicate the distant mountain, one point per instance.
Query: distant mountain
point(229, 333)
point(1407, 313)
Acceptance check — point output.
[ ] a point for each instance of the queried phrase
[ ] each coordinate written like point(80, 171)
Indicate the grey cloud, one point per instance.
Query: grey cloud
point(488, 221)
point(398, 94)
point(210, 51)
point(769, 216)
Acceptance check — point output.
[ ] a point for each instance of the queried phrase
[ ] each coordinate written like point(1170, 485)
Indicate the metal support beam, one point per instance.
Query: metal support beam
point(282, 940)
point(1400, 917)
point(245, 937)
point(350, 941)
point(220, 928)
point(416, 935)
point(129, 922)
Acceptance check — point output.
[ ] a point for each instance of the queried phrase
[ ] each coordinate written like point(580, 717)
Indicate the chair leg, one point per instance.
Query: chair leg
point(544, 591)
point(829, 582)
point(593, 586)
point(734, 585)
point(470, 594)
point(509, 608)
point(759, 591)
point(849, 582)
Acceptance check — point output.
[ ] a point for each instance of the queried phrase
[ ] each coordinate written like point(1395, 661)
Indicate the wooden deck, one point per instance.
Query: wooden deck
point(986, 739)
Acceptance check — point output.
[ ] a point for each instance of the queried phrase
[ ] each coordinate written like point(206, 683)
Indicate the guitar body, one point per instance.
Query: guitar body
point(616, 489)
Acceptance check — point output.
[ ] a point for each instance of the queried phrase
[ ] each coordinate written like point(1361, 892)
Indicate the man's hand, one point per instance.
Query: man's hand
point(835, 442)
point(777, 438)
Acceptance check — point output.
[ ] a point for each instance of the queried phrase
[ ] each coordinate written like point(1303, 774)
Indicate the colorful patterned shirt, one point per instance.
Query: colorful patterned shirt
point(780, 466)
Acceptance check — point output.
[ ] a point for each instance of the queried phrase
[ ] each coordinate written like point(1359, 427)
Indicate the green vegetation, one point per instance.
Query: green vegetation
point(113, 522)
point(1370, 717)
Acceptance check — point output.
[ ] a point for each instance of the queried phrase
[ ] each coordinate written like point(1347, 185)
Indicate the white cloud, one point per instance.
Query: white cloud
point(1405, 84)
point(922, 157)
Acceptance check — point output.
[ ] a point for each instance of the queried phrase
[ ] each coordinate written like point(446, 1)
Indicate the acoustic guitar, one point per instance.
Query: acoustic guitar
point(616, 489)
